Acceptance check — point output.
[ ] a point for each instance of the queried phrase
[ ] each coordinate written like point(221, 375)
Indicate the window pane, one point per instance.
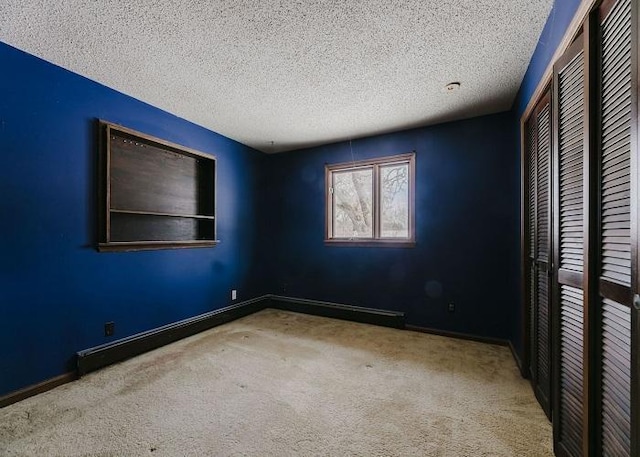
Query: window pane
point(352, 201)
point(394, 199)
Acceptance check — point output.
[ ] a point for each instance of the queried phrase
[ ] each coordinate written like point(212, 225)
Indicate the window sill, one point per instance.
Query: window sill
point(372, 243)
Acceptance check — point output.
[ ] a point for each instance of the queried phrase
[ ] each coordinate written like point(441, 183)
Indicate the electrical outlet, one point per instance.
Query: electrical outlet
point(234, 294)
point(109, 328)
point(452, 307)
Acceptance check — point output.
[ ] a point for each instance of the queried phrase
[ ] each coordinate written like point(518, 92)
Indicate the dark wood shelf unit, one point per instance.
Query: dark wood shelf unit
point(153, 194)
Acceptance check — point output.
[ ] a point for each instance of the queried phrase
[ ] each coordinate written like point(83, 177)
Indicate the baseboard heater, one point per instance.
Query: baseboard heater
point(385, 318)
point(106, 354)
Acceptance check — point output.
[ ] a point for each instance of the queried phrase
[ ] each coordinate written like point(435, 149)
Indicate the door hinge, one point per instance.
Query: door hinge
point(636, 302)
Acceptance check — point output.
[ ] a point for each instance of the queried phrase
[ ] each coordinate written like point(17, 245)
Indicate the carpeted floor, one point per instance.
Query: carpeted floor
point(283, 384)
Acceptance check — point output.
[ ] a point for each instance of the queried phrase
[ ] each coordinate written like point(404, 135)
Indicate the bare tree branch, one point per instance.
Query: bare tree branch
point(364, 207)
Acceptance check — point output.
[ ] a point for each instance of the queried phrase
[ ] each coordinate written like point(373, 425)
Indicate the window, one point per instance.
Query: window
point(371, 201)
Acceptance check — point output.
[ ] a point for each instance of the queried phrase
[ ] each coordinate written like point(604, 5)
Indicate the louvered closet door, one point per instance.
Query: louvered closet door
point(569, 232)
point(616, 210)
point(539, 249)
point(531, 136)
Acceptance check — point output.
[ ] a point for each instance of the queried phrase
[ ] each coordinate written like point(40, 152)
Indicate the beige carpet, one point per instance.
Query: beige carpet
point(285, 384)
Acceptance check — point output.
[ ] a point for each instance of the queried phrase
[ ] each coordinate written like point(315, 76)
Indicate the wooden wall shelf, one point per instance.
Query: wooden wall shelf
point(153, 194)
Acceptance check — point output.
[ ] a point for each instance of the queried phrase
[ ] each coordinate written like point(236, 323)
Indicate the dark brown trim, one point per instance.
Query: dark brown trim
point(616, 292)
point(44, 386)
point(542, 104)
point(518, 359)
point(635, 150)
point(605, 8)
point(371, 243)
point(385, 318)
point(556, 276)
point(126, 246)
point(104, 186)
point(635, 380)
point(570, 278)
point(591, 241)
point(328, 203)
point(100, 356)
point(567, 57)
point(459, 335)
point(386, 160)
point(525, 234)
point(152, 139)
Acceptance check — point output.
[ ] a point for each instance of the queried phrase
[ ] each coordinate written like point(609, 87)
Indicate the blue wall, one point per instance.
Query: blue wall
point(557, 23)
point(466, 229)
point(56, 291)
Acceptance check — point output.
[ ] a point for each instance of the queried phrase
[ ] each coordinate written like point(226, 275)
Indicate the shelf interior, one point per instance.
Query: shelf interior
point(147, 178)
point(151, 213)
point(144, 227)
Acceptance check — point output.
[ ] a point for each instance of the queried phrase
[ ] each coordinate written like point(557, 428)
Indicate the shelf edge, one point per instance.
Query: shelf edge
point(128, 246)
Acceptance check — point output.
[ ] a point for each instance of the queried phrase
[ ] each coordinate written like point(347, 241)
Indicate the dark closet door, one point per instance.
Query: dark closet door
point(539, 249)
point(617, 275)
point(635, 226)
point(570, 212)
point(595, 283)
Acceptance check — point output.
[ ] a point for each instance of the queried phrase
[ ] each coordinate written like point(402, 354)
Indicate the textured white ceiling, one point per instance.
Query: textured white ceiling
point(295, 73)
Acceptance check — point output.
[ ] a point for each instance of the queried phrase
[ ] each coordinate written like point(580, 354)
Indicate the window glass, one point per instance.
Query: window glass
point(352, 203)
point(394, 201)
